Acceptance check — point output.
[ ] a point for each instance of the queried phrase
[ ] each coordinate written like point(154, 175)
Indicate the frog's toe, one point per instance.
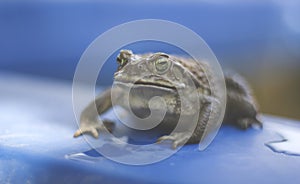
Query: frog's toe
point(245, 123)
point(178, 138)
point(91, 130)
point(77, 133)
point(94, 128)
point(165, 137)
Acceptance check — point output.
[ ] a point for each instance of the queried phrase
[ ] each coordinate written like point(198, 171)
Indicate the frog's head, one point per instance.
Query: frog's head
point(157, 71)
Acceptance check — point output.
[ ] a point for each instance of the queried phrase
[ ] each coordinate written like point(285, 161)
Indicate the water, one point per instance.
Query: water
point(290, 142)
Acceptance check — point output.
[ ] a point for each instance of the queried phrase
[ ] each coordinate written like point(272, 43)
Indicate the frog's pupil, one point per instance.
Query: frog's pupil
point(161, 65)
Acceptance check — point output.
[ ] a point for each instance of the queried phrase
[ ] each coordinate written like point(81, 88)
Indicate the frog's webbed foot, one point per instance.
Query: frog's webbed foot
point(177, 138)
point(94, 128)
point(245, 123)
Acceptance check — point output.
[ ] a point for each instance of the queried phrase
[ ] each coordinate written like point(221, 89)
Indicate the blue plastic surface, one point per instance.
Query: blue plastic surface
point(37, 124)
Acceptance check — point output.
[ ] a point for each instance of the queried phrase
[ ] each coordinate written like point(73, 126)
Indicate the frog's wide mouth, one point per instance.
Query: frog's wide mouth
point(150, 83)
point(147, 84)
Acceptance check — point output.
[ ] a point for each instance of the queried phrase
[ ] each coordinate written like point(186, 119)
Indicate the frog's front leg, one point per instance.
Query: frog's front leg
point(89, 122)
point(207, 113)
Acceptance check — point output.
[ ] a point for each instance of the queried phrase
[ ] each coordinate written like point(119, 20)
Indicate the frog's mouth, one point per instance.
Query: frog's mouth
point(165, 85)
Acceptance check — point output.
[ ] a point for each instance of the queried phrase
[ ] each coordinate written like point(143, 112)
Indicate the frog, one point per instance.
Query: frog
point(181, 82)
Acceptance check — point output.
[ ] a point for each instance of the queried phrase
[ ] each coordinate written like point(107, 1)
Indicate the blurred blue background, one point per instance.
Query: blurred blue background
point(259, 39)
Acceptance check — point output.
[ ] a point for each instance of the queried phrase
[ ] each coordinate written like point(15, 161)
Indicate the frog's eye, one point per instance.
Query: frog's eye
point(162, 64)
point(124, 57)
point(122, 62)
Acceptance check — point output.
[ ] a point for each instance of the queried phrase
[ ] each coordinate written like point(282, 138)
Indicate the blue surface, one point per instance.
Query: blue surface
point(37, 124)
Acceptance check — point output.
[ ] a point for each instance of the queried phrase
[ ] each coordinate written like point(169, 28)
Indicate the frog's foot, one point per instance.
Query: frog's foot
point(94, 129)
point(245, 123)
point(178, 138)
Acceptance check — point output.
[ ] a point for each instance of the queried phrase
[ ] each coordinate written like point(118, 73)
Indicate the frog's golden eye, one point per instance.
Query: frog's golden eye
point(121, 62)
point(123, 58)
point(162, 64)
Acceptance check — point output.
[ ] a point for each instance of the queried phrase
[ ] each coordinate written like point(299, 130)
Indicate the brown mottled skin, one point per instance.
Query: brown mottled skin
point(168, 76)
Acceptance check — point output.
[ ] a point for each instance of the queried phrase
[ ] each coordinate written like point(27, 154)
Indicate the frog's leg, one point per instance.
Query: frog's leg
point(241, 108)
point(89, 122)
point(208, 112)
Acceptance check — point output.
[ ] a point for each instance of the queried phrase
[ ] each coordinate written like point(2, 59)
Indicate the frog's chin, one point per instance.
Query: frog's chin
point(145, 85)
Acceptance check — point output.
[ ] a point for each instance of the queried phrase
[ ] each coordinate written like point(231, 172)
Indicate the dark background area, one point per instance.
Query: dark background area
point(259, 40)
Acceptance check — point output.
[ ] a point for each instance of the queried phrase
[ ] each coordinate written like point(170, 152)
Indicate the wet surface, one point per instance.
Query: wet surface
point(36, 143)
point(289, 143)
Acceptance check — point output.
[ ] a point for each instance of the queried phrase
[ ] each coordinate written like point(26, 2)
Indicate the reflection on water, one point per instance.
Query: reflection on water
point(290, 143)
